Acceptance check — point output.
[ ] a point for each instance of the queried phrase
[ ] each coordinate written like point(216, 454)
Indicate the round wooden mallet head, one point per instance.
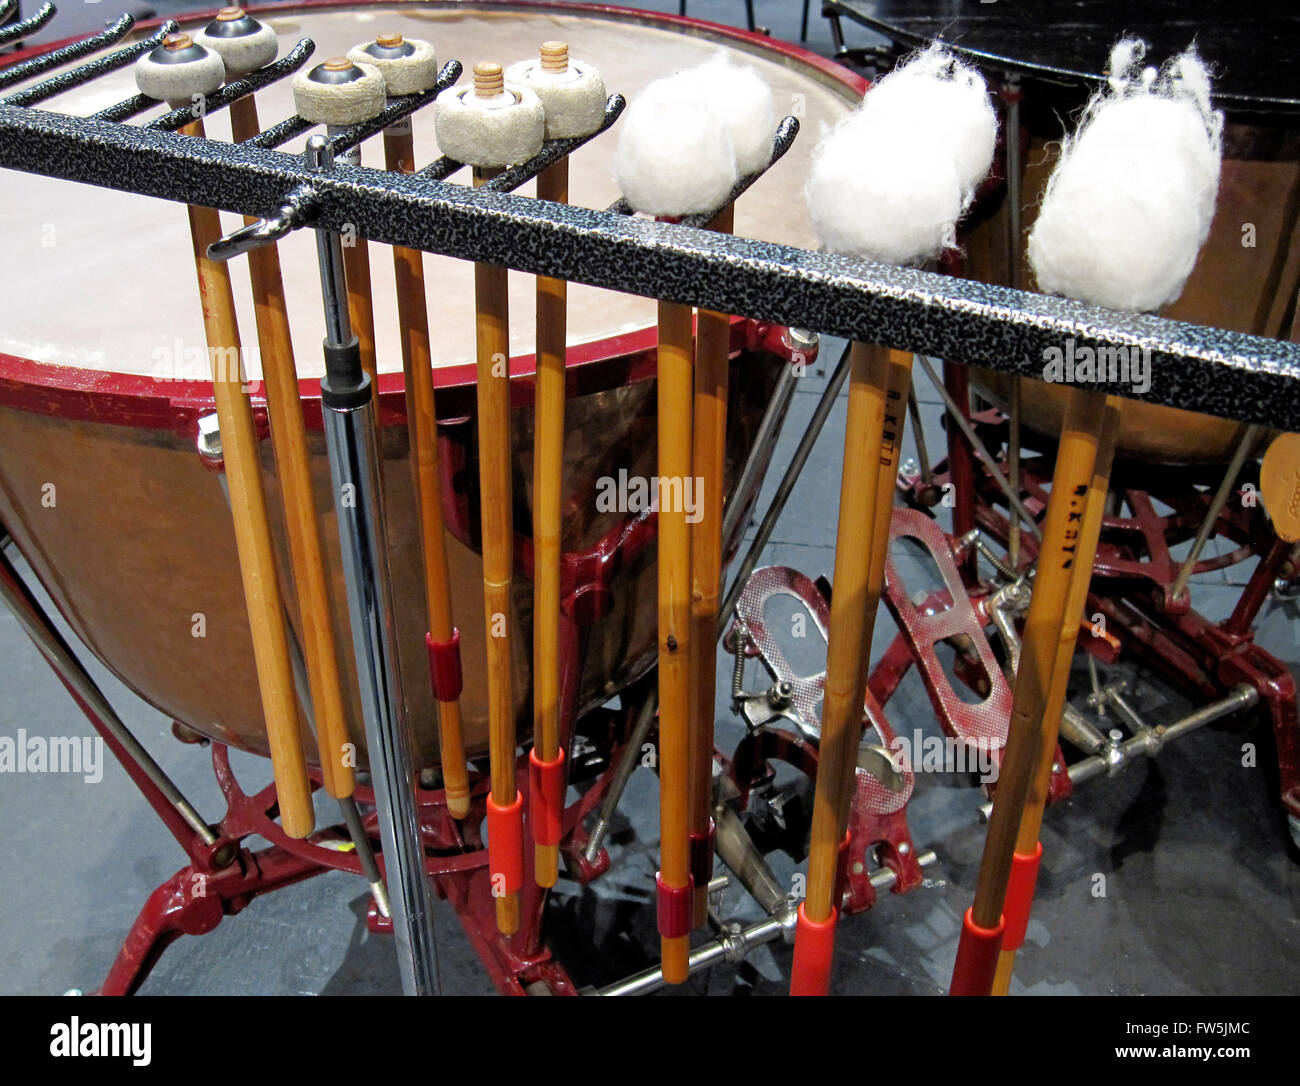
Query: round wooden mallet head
point(339, 92)
point(492, 123)
point(408, 65)
point(571, 91)
point(177, 70)
point(242, 43)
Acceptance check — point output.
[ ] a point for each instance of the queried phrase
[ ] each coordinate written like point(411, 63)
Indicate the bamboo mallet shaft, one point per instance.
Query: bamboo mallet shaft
point(1059, 552)
point(712, 364)
point(491, 288)
point(674, 452)
point(422, 427)
point(1080, 580)
point(877, 403)
point(289, 442)
point(548, 483)
point(251, 524)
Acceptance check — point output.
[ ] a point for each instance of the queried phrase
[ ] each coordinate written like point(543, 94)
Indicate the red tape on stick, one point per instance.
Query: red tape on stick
point(506, 845)
point(977, 957)
point(674, 907)
point(1020, 897)
point(702, 856)
point(444, 666)
point(546, 798)
point(814, 951)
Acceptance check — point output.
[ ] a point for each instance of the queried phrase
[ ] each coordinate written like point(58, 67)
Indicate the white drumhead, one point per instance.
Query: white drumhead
point(105, 280)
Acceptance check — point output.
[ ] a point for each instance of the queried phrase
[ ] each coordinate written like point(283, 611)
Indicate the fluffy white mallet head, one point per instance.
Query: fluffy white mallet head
point(572, 91)
point(490, 124)
point(890, 182)
point(339, 92)
point(742, 99)
point(242, 43)
point(675, 156)
point(948, 99)
point(177, 70)
point(408, 65)
point(1129, 204)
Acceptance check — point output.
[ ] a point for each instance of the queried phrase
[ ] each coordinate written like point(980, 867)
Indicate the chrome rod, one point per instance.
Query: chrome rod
point(1211, 517)
point(968, 431)
point(347, 403)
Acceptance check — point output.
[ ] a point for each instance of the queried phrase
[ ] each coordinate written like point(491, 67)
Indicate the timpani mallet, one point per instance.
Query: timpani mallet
point(489, 126)
point(1122, 220)
point(1028, 852)
point(890, 184)
point(410, 66)
point(181, 72)
point(983, 925)
point(244, 45)
point(674, 158)
point(338, 93)
point(572, 94)
point(743, 101)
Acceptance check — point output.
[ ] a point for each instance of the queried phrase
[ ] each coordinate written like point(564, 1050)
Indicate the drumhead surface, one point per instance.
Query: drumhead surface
point(105, 281)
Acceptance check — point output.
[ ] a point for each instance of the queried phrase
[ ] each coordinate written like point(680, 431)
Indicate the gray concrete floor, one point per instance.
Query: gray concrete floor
point(1202, 887)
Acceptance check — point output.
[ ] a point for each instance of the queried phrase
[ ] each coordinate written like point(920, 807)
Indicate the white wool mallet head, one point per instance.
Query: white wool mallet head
point(178, 71)
point(571, 91)
point(243, 43)
point(891, 181)
point(1130, 202)
point(675, 156)
point(742, 99)
point(490, 124)
point(408, 65)
point(339, 92)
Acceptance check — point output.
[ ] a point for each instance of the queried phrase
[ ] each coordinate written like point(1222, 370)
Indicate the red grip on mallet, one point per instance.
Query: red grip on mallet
point(506, 845)
point(444, 666)
point(702, 856)
point(1020, 897)
point(814, 950)
point(546, 798)
point(977, 957)
point(673, 907)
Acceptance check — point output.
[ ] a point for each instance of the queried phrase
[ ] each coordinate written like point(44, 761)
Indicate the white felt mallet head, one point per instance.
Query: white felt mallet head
point(177, 70)
point(408, 65)
point(571, 91)
point(242, 43)
point(1130, 202)
point(339, 92)
point(490, 124)
point(890, 182)
point(675, 155)
point(743, 100)
point(948, 100)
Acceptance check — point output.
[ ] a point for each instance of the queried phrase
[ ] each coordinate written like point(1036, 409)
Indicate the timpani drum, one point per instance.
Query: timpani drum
point(100, 482)
point(1249, 270)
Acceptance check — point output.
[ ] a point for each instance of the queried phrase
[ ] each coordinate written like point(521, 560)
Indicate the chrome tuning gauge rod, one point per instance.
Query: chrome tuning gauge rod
point(348, 404)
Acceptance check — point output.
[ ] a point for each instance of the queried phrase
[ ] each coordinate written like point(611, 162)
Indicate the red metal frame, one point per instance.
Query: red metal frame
point(1133, 578)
